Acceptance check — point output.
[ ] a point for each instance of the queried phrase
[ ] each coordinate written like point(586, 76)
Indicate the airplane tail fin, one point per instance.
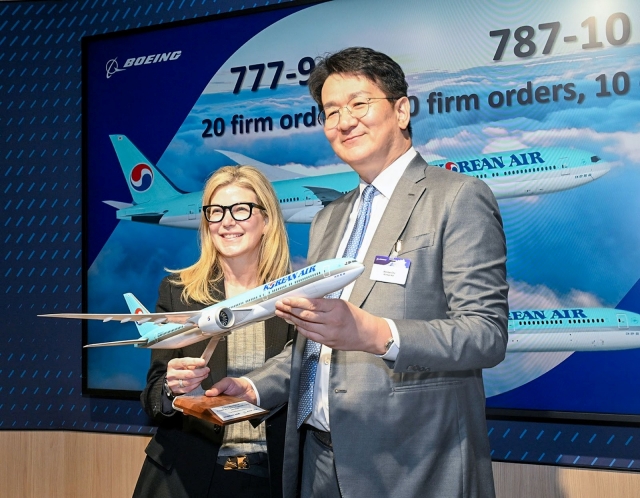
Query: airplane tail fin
point(145, 181)
point(136, 307)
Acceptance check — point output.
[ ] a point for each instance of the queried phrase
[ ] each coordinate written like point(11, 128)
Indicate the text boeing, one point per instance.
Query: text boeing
point(153, 58)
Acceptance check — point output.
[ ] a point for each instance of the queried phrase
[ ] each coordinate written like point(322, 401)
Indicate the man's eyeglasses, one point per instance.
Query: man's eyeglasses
point(240, 211)
point(358, 107)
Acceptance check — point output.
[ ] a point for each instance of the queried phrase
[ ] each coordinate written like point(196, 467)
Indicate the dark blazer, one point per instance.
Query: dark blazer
point(181, 457)
point(414, 427)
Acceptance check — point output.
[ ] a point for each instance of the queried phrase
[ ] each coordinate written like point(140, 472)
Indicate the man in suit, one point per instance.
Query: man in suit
point(393, 403)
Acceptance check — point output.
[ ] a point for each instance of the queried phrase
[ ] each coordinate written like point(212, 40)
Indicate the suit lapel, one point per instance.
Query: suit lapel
point(403, 201)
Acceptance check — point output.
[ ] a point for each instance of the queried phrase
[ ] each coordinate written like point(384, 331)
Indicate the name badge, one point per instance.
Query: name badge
point(390, 270)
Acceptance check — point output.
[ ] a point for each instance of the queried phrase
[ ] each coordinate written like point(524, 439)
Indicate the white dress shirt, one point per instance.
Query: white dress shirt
point(385, 183)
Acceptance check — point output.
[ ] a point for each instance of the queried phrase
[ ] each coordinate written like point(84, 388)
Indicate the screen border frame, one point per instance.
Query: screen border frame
point(492, 413)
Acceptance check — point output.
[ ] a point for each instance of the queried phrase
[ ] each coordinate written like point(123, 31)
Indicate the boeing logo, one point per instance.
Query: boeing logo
point(112, 65)
point(112, 68)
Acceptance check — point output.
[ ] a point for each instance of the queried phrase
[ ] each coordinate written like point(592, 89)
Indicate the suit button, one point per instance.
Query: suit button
point(411, 368)
point(217, 428)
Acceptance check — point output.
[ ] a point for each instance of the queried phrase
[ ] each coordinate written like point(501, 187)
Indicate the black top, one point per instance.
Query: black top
point(181, 457)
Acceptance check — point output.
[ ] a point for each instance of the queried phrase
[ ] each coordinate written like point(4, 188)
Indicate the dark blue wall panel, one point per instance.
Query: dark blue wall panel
point(41, 184)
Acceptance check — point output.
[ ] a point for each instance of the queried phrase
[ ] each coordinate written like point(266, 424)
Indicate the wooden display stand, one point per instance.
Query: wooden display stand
point(200, 406)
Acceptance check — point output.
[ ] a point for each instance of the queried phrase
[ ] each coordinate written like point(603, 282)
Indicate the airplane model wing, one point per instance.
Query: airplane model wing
point(176, 316)
point(158, 318)
point(117, 343)
point(174, 330)
point(326, 195)
point(242, 313)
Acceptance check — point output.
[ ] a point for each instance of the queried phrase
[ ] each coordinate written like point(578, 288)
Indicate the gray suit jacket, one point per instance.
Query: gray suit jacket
point(414, 427)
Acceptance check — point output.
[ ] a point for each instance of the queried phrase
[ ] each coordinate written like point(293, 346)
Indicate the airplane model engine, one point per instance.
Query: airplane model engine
point(224, 318)
point(216, 319)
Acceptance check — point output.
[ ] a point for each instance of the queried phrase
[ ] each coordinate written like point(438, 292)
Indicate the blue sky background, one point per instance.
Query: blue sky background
point(567, 249)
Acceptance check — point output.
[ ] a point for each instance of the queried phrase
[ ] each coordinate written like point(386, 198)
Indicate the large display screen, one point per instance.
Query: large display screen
point(540, 100)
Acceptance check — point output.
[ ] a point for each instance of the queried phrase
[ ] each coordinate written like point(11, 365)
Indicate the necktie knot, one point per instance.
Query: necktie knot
point(368, 193)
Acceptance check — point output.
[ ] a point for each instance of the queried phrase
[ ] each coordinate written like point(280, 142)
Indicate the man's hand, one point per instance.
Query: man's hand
point(240, 388)
point(185, 374)
point(336, 323)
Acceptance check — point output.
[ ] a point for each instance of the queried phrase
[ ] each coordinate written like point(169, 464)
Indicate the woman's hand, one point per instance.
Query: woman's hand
point(185, 374)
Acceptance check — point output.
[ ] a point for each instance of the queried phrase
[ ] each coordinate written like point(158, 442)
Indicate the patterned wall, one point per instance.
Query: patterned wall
point(41, 183)
point(41, 252)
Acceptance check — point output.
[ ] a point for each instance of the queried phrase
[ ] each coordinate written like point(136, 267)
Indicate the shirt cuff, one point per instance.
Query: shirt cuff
point(166, 403)
point(166, 406)
point(255, 390)
point(392, 354)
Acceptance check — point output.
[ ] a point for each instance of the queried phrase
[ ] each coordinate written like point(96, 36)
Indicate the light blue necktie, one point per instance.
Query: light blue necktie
point(311, 353)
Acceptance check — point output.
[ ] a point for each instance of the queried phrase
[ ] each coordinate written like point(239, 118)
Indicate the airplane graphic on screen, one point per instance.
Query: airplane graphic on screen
point(576, 329)
point(524, 172)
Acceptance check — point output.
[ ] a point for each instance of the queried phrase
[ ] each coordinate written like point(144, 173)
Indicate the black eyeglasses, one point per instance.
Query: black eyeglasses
point(240, 211)
point(358, 107)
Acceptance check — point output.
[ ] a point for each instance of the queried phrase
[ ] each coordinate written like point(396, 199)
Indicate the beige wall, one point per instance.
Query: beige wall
point(80, 464)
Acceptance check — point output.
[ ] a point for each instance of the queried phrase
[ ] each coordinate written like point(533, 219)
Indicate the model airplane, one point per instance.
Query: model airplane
point(509, 174)
point(577, 329)
point(179, 329)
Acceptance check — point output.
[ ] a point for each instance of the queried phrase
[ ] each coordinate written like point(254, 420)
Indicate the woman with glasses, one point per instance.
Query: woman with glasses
point(243, 244)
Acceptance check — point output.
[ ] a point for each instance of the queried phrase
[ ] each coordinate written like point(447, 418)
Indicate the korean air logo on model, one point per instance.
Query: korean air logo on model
point(451, 166)
point(141, 177)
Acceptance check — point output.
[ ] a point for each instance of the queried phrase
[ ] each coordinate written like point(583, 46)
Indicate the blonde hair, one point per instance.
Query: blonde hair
point(199, 280)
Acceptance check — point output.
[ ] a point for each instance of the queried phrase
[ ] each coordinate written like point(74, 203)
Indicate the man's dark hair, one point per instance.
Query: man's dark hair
point(377, 67)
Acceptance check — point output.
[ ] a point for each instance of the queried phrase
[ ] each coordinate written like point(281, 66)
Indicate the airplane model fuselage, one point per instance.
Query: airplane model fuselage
point(220, 319)
point(575, 329)
point(509, 174)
